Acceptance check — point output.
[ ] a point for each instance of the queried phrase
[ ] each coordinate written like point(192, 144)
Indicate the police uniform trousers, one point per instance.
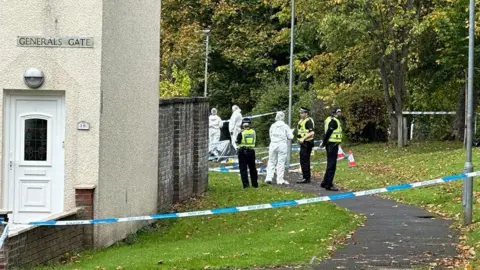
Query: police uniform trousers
point(246, 162)
point(332, 155)
point(305, 153)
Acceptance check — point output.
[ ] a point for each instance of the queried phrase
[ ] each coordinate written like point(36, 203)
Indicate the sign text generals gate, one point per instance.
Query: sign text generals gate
point(55, 42)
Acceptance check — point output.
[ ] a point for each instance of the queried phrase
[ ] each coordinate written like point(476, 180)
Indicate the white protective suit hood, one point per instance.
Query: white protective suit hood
point(236, 108)
point(235, 122)
point(214, 121)
point(280, 132)
point(280, 116)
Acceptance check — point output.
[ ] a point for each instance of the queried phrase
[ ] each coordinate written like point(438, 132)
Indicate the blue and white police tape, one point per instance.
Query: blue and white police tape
point(295, 146)
point(298, 164)
point(297, 170)
point(296, 149)
point(253, 116)
point(234, 165)
point(217, 157)
point(224, 169)
point(4, 235)
point(426, 113)
point(234, 156)
point(259, 206)
point(298, 145)
point(234, 168)
point(234, 161)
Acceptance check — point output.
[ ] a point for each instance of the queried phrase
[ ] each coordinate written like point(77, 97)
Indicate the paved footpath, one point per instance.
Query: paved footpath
point(395, 235)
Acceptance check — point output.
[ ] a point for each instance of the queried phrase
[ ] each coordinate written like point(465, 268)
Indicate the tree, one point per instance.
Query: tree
point(381, 31)
point(244, 46)
point(443, 57)
point(410, 52)
point(181, 42)
point(179, 85)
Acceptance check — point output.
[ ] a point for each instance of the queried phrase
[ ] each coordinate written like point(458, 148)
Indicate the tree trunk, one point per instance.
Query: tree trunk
point(399, 75)
point(459, 123)
point(399, 61)
point(392, 135)
point(393, 127)
point(393, 71)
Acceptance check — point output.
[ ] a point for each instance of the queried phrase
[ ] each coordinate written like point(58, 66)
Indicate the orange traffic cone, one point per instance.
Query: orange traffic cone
point(341, 154)
point(351, 160)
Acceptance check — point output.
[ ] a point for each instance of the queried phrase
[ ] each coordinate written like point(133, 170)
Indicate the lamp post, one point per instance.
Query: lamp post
point(207, 34)
point(290, 82)
point(468, 182)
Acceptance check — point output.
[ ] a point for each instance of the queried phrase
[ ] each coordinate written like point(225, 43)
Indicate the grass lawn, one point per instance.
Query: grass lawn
point(283, 236)
point(380, 165)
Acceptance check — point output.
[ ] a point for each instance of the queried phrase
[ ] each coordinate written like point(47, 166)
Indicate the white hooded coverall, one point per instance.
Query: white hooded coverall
point(280, 133)
point(235, 125)
point(214, 125)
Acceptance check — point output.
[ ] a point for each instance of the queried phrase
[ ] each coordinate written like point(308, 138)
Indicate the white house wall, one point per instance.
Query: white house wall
point(76, 71)
point(129, 118)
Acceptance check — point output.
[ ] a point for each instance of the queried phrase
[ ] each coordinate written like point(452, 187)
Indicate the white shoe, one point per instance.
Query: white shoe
point(268, 182)
point(285, 183)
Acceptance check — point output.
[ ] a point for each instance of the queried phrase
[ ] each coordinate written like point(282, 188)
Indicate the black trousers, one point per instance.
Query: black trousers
point(332, 155)
point(305, 153)
point(246, 159)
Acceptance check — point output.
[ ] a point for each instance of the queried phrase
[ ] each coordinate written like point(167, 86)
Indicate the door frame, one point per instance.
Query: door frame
point(9, 131)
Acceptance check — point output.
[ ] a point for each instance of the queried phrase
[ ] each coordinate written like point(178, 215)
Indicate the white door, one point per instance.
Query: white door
point(34, 156)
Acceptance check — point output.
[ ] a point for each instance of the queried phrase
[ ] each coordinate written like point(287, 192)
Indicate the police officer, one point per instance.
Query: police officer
point(331, 140)
point(305, 139)
point(246, 154)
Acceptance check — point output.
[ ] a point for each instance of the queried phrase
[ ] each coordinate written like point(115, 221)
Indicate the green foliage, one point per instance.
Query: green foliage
point(178, 86)
point(364, 112)
point(410, 54)
point(274, 98)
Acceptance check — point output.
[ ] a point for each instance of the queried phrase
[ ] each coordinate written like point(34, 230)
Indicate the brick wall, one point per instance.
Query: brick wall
point(200, 148)
point(43, 244)
point(183, 149)
point(3, 253)
point(84, 200)
point(165, 156)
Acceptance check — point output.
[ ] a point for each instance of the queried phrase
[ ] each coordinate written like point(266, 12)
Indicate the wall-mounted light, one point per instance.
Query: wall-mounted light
point(33, 77)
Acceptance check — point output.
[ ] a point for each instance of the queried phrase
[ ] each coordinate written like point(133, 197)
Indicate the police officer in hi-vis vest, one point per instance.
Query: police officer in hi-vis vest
point(246, 154)
point(331, 140)
point(305, 139)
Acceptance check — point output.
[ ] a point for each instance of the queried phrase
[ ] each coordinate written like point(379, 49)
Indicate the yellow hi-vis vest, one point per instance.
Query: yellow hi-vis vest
point(248, 138)
point(336, 136)
point(302, 131)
